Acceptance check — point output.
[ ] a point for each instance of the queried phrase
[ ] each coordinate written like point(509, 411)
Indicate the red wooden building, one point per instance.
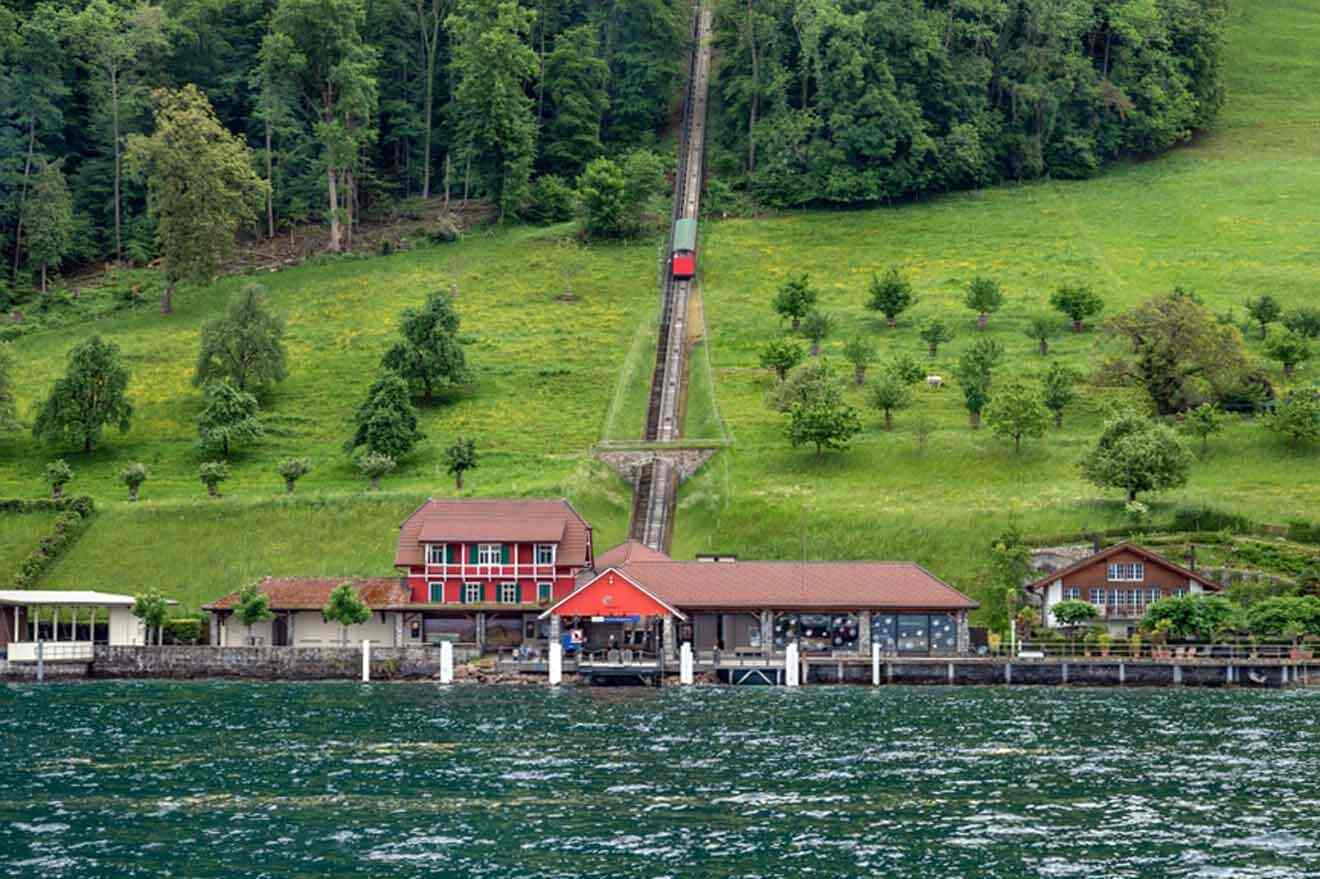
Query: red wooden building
point(482, 569)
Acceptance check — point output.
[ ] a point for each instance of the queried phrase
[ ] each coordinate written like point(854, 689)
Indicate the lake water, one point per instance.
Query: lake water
point(401, 780)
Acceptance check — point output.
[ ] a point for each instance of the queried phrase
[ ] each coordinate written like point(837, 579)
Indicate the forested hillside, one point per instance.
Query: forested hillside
point(851, 101)
point(357, 105)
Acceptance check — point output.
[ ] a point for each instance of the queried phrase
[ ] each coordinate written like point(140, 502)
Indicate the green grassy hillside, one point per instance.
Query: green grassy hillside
point(546, 372)
point(1229, 217)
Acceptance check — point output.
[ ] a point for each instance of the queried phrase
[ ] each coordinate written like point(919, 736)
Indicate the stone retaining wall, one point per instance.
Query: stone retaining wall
point(271, 663)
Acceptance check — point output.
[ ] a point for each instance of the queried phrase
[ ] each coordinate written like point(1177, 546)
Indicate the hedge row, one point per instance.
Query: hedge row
point(1202, 524)
point(75, 515)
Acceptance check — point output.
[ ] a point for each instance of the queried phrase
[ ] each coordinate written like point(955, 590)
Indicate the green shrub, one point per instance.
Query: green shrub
point(552, 201)
point(183, 630)
point(69, 524)
point(1205, 518)
point(1302, 531)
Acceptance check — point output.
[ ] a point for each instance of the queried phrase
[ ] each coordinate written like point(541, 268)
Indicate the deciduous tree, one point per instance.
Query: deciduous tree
point(491, 65)
point(293, 469)
point(253, 607)
point(201, 186)
point(386, 422)
point(934, 333)
point(212, 473)
point(1019, 412)
point(817, 326)
point(58, 475)
point(824, 425)
point(1264, 310)
point(92, 393)
point(229, 416)
point(151, 608)
point(1078, 302)
point(345, 607)
point(429, 355)
point(245, 347)
point(859, 351)
point(889, 393)
point(984, 297)
point(48, 210)
point(133, 476)
point(1296, 418)
point(1289, 348)
point(1204, 421)
point(1041, 328)
point(1058, 390)
point(373, 466)
point(460, 458)
point(891, 295)
point(796, 299)
point(1137, 455)
point(781, 355)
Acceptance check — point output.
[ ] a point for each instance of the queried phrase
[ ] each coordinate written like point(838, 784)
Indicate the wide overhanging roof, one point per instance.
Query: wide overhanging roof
point(61, 598)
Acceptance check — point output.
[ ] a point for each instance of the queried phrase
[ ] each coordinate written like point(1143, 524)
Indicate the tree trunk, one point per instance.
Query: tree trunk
point(1078, 326)
point(350, 193)
point(859, 374)
point(1058, 419)
point(1287, 367)
point(446, 183)
point(458, 480)
point(932, 348)
point(331, 183)
point(1044, 347)
point(754, 103)
point(288, 486)
point(981, 320)
point(114, 108)
point(57, 491)
point(374, 484)
point(892, 321)
point(889, 420)
point(1017, 443)
point(133, 492)
point(815, 347)
point(43, 293)
point(212, 490)
point(429, 43)
point(22, 194)
point(1132, 495)
point(975, 419)
point(87, 445)
point(797, 323)
point(167, 298)
point(270, 186)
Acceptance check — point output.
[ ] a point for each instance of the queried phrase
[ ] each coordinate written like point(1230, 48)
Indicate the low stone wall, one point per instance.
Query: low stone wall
point(271, 663)
point(27, 671)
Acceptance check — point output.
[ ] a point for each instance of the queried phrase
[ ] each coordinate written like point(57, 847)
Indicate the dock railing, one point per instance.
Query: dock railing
point(1144, 651)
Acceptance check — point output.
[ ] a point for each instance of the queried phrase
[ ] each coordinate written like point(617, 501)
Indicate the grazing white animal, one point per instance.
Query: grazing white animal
point(934, 381)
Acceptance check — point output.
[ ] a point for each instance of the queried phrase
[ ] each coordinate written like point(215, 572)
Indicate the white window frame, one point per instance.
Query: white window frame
point(430, 592)
point(1127, 572)
point(1072, 593)
point(512, 596)
point(537, 557)
point(431, 553)
point(467, 592)
point(549, 591)
point(490, 553)
point(1097, 596)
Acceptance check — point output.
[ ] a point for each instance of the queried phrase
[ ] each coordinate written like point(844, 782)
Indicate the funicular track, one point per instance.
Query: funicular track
point(657, 484)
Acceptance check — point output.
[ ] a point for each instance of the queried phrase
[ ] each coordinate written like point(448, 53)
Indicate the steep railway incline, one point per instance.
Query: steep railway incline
point(657, 485)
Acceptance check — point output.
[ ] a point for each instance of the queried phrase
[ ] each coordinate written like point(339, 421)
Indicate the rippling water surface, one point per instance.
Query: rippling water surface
point(402, 780)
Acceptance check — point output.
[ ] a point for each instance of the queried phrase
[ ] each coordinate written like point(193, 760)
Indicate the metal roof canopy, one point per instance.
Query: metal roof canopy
point(58, 598)
point(685, 234)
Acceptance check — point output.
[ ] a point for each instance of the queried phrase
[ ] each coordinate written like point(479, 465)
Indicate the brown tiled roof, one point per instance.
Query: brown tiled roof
point(797, 585)
point(629, 551)
point(311, 593)
point(458, 520)
point(1146, 554)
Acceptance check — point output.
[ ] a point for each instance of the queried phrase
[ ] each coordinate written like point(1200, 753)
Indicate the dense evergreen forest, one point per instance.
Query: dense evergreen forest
point(352, 108)
point(851, 101)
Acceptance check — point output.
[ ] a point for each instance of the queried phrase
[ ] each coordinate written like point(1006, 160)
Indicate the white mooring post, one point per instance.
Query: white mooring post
point(875, 665)
point(366, 661)
point(686, 672)
point(556, 664)
point(447, 661)
point(792, 672)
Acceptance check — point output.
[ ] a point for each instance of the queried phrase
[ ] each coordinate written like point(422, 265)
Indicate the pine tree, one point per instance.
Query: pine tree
point(49, 212)
point(575, 79)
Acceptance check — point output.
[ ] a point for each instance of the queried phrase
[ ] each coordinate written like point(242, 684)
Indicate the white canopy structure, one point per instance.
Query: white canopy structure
point(69, 630)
